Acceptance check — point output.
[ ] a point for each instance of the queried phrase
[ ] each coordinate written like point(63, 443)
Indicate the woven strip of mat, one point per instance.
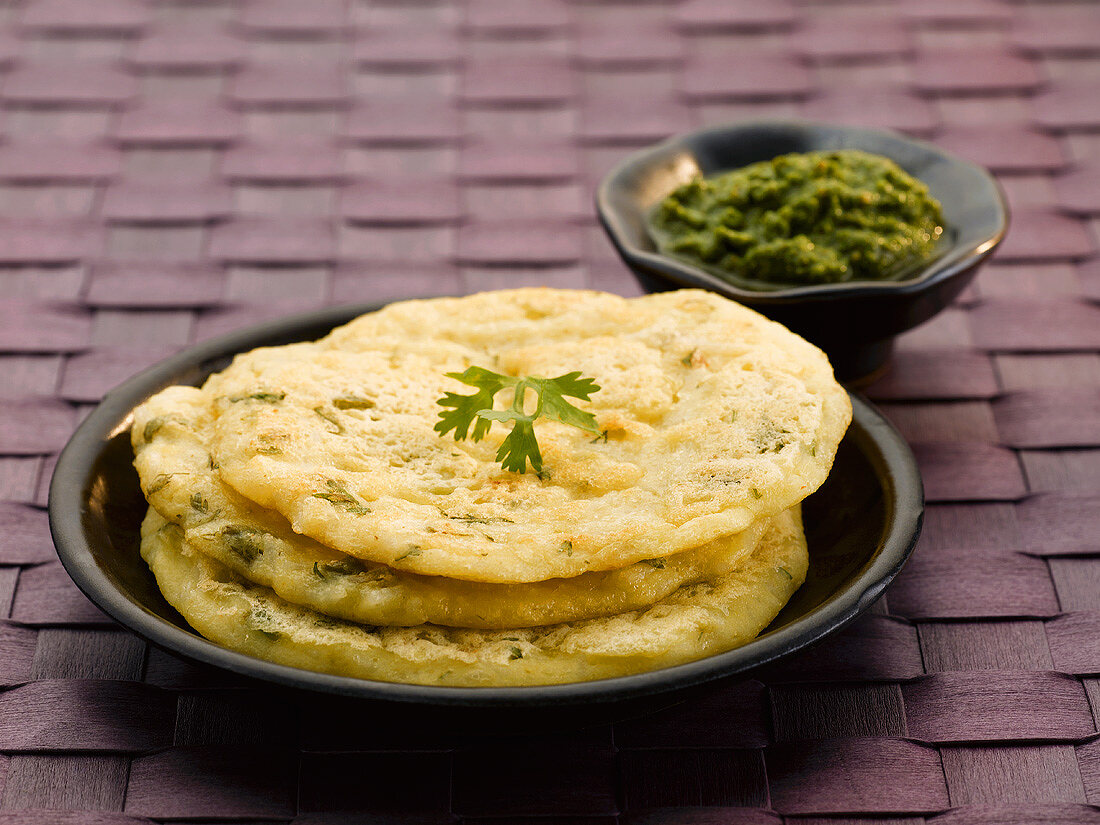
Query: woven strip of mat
point(173, 170)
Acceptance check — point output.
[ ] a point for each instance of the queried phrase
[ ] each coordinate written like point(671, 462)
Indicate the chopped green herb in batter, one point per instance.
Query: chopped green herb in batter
point(151, 427)
point(339, 496)
point(351, 402)
point(412, 551)
point(159, 483)
point(266, 397)
point(345, 567)
point(331, 419)
point(246, 542)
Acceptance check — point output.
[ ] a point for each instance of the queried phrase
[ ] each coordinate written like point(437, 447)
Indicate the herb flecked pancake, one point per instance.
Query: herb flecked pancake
point(697, 620)
point(711, 417)
point(173, 462)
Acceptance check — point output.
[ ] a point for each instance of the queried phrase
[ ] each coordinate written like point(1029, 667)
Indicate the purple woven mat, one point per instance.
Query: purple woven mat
point(173, 170)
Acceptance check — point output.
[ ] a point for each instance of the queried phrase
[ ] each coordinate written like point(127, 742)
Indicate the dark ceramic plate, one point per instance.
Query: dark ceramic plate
point(853, 322)
point(861, 526)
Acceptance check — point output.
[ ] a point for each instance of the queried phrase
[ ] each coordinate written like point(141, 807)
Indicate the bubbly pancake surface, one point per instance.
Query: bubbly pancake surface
point(170, 440)
point(697, 620)
point(713, 415)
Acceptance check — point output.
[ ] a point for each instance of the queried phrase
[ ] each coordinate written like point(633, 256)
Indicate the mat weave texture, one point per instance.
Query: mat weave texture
point(170, 171)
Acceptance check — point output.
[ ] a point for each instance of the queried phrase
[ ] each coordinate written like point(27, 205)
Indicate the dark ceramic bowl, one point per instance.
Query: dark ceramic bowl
point(854, 322)
point(862, 525)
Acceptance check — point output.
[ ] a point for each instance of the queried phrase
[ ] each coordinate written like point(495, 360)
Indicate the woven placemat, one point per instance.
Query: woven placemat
point(173, 170)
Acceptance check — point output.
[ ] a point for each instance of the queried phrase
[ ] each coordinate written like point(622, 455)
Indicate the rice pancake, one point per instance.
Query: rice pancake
point(173, 462)
point(713, 416)
point(696, 621)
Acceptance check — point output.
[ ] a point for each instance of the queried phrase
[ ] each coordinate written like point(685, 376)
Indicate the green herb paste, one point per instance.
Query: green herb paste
point(799, 219)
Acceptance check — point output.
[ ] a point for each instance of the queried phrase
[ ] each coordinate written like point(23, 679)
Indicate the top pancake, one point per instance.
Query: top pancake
point(714, 417)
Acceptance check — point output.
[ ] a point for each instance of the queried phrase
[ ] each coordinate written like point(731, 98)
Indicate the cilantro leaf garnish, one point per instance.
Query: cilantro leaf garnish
point(553, 405)
point(467, 407)
point(520, 445)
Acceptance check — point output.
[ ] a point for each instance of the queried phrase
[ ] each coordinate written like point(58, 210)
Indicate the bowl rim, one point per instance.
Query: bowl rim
point(70, 483)
point(956, 261)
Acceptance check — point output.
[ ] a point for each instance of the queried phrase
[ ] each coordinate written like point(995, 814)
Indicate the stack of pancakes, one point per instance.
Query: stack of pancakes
point(304, 510)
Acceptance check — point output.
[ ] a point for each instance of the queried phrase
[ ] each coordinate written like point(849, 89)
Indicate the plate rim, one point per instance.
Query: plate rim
point(71, 478)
